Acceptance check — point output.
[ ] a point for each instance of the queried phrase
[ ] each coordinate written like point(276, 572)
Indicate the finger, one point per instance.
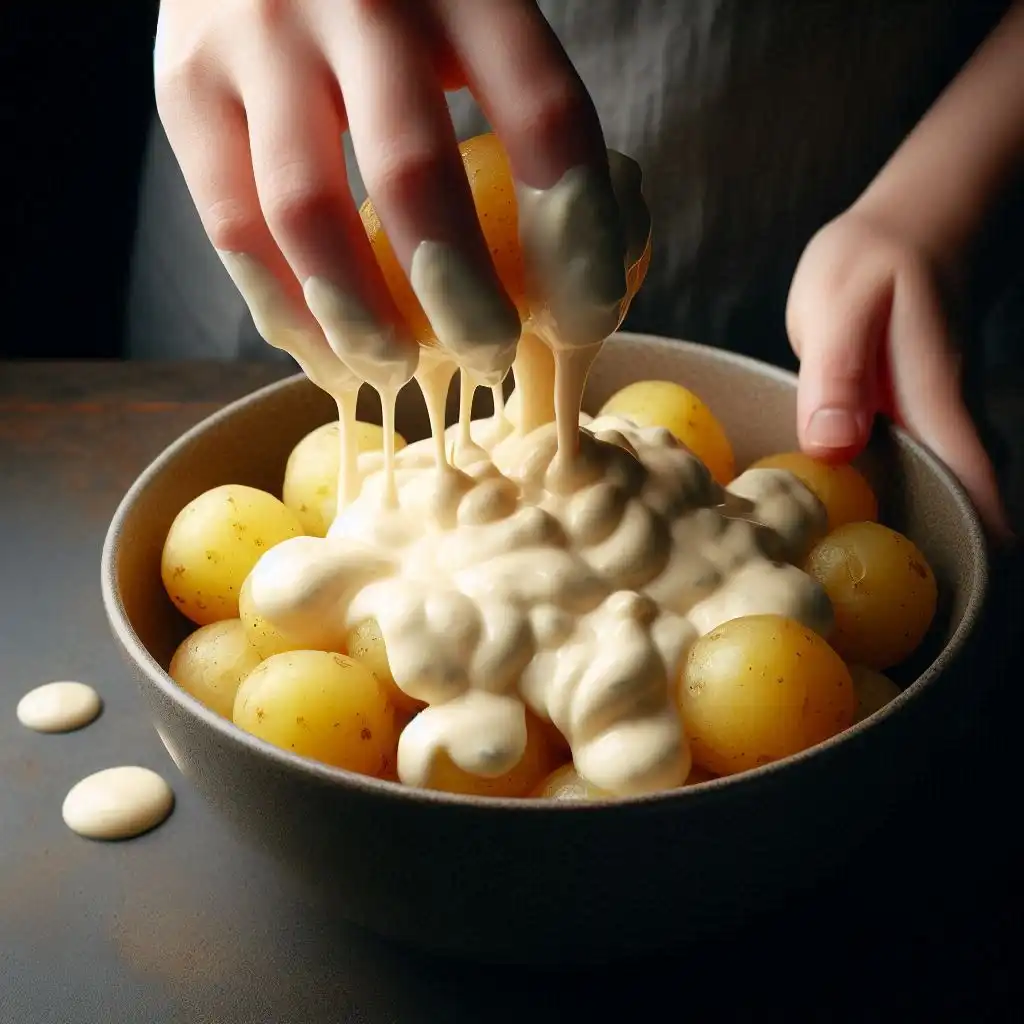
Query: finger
point(295, 130)
point(571, 224)
point(926, 389)
point(408, 156)
point(838, 338)
point(527, 86)
point(206, 128)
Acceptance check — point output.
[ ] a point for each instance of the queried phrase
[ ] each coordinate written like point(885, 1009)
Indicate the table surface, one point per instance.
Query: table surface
point(185, 925)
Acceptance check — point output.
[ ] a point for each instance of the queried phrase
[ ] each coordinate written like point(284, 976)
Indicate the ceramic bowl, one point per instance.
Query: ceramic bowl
point(529, 881)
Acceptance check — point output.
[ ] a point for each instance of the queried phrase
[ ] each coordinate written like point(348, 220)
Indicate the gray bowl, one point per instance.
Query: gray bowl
point(527, 881)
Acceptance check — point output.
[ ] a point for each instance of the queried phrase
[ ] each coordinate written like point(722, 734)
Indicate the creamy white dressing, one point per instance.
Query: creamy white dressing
point(59, 707)
point(540, 564)
point(118, 803)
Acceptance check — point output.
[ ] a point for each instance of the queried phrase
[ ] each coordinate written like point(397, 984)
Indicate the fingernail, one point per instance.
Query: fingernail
point(370, 349)
point(834, 428)
point(471, 317)
point(280, 325)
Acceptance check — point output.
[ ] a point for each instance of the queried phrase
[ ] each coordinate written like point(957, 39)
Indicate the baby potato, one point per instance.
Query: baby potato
point(882, 590)
point(536, 762)
point(323, 706)
point(698, 775)
point(214, 542)
point(760, 688)
point(211, 663)
point(873, 691)
point(311, 474)
point(841, 488)
point(366, 644)
point(494, 196)
point(493, 191)
point(263, 635)
point(662, 403)
point(566, 784)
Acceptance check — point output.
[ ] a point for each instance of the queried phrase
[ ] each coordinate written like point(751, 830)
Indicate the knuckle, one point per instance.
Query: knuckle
point(232, 226)
point(402, 175)
point(271, 15)
point(297, 208)
point(548, 110)
point(175, 84)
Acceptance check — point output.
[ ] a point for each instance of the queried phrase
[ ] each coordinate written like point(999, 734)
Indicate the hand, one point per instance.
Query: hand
point(865, 316)
point(255, 96)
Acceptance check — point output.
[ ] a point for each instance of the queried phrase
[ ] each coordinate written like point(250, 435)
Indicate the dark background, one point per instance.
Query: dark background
point(76, 99)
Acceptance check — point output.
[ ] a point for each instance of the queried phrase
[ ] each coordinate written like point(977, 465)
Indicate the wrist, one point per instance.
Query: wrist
point(942, 234)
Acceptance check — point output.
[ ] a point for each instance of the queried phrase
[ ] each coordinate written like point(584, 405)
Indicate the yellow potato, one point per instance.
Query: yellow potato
point(537, 761)
point(882, 590)
point(566, 784)
point(873, 690)
point(662, 403)
point(698, 775)
point(841, 488)
point(311, 475)
point(323, 706)
point(212, 663)
point(493, 190)
point(366, 645)
point(760, 688)
point(213, 544)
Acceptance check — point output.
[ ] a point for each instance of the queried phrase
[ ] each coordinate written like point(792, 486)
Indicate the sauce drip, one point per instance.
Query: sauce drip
point(548, 566)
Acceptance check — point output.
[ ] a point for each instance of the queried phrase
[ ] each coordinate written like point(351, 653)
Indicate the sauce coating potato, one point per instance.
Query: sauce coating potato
point(213, 544)
point(537, 761)
point(323, 706)
point(311, 474)
point(873, 690)
point(841, 488)
point(265, 637)
point(661, 403)
point(365, 643)
point(882, 589)
point(212, 662)
point(760, 688)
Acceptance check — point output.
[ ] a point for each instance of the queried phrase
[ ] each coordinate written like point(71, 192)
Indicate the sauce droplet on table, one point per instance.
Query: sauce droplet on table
point(59, 707)
point(118, 803)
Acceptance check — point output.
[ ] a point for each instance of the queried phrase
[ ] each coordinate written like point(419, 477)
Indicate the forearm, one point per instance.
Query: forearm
point(950, 172)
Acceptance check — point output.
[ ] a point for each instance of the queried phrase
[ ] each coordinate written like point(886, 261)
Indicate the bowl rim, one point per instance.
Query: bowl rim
point(127, 638)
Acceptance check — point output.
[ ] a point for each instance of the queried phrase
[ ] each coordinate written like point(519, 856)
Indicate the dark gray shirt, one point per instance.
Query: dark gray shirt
point(755, 121)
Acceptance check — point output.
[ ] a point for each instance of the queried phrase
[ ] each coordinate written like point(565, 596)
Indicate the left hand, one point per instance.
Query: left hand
point(865, 316)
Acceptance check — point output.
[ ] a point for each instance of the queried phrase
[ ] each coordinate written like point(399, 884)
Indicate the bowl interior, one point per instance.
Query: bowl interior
point(249, 442)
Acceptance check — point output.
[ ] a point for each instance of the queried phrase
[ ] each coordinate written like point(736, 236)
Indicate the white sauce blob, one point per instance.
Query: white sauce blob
point(537, 565)
point(59, 707)
point(118, 803)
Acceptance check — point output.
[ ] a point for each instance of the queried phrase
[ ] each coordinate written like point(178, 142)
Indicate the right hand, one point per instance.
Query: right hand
point(255, 94)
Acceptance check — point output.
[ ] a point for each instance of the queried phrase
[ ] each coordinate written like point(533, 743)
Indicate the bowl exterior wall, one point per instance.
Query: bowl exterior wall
point(539, 883)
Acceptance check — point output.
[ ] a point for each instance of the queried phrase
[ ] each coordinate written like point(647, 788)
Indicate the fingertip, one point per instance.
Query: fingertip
point(835, 434)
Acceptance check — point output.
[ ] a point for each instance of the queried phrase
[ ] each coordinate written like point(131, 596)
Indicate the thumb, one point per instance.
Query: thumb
point(838, 339)
point(925, 381)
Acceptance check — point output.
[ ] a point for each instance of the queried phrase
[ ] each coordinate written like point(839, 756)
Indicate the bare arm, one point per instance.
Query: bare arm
point(952, 170)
